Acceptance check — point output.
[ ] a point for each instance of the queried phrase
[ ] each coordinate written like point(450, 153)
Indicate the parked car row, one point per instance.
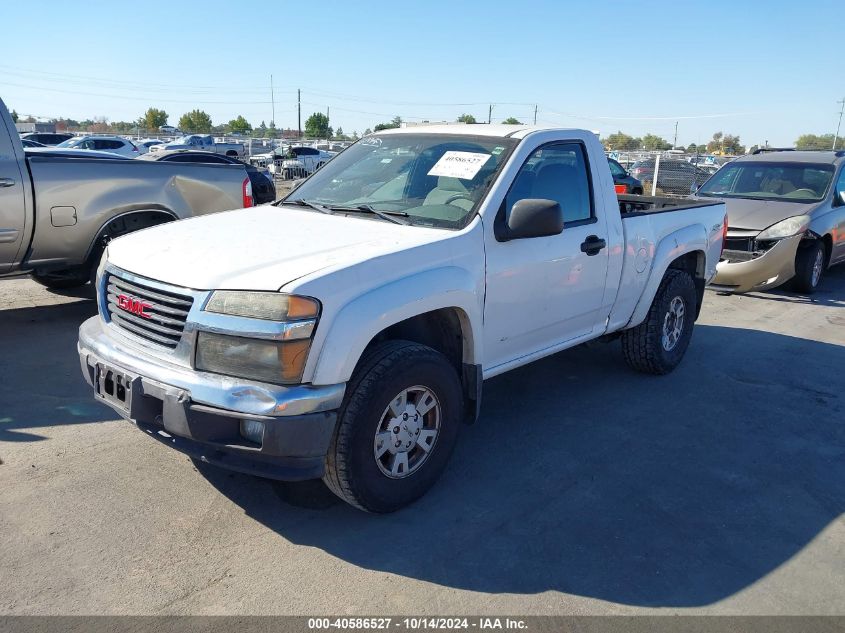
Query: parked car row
point(293, 161)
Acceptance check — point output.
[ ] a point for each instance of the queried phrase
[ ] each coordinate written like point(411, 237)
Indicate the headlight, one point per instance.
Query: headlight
point(276, 362)
point(280, 360)
point(272, 306)
point(786, 228)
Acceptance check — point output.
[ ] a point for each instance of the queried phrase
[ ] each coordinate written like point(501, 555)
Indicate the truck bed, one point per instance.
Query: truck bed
point(634, 205)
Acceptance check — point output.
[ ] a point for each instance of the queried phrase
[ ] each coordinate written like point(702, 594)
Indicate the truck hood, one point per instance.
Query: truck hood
point(262, 248)
point(756, 215)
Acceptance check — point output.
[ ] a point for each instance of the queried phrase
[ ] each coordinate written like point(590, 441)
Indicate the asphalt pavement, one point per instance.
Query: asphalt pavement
point(585, 488)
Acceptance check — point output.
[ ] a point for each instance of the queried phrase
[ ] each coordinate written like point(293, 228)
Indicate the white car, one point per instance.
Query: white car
point(168, 129)
point(144, 145)
point(102, 143)
point(307, 160)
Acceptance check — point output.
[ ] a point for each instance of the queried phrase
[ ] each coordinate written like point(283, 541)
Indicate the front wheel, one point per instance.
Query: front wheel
point(396, 428)
point(657, 345)
point(809, 267)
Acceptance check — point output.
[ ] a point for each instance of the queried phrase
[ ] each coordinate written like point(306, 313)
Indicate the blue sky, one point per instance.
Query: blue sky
point(766, 70)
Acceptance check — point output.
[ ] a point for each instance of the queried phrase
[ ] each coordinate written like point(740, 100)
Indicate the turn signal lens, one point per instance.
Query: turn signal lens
point(271, 306)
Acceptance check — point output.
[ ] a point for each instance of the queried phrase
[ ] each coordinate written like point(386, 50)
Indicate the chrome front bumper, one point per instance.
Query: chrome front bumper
point(773, 268)
point(214, 390)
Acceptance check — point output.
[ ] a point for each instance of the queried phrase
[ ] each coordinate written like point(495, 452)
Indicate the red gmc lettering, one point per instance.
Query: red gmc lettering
point(135, 306)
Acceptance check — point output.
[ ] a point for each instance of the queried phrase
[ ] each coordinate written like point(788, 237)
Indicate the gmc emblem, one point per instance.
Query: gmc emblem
point(133, 305)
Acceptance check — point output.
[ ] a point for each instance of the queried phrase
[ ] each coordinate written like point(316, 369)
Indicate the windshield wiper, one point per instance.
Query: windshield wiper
point(310, 204)
point(390, 216)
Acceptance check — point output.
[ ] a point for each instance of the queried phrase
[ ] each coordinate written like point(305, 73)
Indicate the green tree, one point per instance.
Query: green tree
point(260, 131)
point(654, 142)
point(123, 127)
point(240, 125)
point(818, 141)
point(621, 141)
point(726, 144)
point(153, 119)
point(692, 148)
point(14, 116)
point(317, 126)
point(367, 132)
point(195, 121)
point(466, 118)
point(396, 122)
point(512, 121)
point(272, 131)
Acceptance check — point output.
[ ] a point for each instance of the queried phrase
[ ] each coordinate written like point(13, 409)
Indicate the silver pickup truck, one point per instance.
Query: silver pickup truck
point(59, 208)
point(202, 142)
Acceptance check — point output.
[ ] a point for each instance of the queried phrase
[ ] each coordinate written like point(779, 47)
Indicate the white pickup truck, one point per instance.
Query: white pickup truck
point(345, 332)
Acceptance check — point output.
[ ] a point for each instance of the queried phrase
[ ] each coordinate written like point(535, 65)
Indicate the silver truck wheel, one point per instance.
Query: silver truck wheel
point(673, 324)
point(657, 345)
point(407, 433)
point(396, 428)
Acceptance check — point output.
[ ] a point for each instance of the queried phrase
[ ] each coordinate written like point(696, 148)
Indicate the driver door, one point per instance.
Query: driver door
point(544, 291)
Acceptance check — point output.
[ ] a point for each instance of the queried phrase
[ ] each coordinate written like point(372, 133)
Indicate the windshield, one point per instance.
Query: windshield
point(436, 179)
point(71, 142)
point(790, 182)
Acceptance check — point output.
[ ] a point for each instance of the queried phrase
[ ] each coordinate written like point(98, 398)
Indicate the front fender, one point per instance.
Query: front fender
point(360, 320)
point(686, 240)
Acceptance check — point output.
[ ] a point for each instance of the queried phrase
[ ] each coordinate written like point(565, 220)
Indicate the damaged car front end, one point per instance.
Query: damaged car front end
point(759, 260)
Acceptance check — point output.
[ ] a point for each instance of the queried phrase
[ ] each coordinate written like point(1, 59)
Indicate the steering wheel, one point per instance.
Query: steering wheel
point(458, 196)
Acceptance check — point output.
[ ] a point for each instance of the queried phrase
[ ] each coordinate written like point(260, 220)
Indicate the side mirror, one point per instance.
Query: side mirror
point(532, 217)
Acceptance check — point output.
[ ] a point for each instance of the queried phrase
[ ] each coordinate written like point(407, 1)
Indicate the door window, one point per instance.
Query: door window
point(556, 172)
point(616, 169)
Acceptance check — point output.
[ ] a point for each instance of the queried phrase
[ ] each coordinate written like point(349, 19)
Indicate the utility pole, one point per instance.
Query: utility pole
point(675, 142)
point(328, 136)
point(490, 114)
point(272, 99)
point(299, 112)
point(838, 125)
point(535, 114)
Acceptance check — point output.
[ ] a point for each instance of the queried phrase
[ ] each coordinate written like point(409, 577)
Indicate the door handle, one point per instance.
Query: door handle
point(7, 182)
point(592, 245)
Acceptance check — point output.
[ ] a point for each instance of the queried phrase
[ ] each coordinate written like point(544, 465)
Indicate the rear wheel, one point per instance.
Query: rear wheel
point(397, 427)
point(809, 267)
point(657, 345)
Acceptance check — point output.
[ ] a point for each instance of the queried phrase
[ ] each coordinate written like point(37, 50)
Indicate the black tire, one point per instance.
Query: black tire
point(806, 280)
point(64, 280)
point(389, 368)
point(643, 345)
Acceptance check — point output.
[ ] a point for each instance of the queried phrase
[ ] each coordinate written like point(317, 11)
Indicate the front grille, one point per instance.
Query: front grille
point(157, 316)
point(739, 244)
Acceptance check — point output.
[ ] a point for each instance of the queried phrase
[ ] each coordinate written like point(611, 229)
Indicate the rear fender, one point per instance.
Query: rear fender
point(686, 240)
point(362, 319)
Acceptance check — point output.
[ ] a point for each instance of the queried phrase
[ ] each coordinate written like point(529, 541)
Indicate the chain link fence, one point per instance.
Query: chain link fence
point(668, 173)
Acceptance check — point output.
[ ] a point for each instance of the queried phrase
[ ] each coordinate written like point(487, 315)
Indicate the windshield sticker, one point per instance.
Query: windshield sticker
point(463, 165)
point(497, 150)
